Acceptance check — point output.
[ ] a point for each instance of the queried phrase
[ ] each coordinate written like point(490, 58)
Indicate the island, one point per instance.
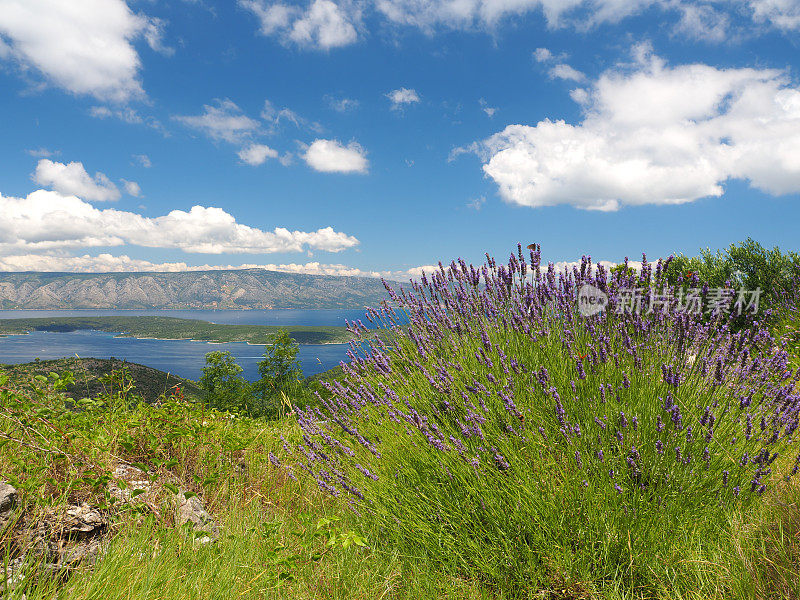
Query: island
point(173, 328)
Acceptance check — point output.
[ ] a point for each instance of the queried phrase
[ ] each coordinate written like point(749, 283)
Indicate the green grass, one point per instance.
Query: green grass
point(276, 532)
point(175, 328)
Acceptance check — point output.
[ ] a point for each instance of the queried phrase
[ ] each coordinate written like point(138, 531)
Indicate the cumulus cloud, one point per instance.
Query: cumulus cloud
point(655, 134)
point(223, 120)
point(72, 179)
point(322, 24)
point(47, 221)
point(83, 47)
point(403, 96)
point(256, 154)
point(108, 263)
point(326, 24)
point(330, 156)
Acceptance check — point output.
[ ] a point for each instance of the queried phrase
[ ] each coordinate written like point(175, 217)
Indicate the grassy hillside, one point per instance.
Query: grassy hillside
point(175, 328)
point(507, 448)
point(92, 374)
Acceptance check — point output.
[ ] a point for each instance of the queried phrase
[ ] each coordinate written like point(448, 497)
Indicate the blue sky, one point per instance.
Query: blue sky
point(378, 137)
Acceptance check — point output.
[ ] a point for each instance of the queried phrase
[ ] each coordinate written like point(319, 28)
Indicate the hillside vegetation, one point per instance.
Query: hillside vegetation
point(95, 376)
point(504, 446)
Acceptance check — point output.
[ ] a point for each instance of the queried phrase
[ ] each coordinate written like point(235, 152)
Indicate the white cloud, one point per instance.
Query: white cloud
point(83, 47)
point(275, 117)
point(131, 188)
point(323, 24)
point(42, 152)
point(784, 14)
point(476, 203)
point(703, 22)
point(127, 115)
point(654, 134)
point(431, 15)
point(49, 221)
point(489, 110)
point(330, 156)
point(564, 71)
point(256, 154)
point(154, 35)
point(222, 121)
point(72, 179)
point(341, 104)
point(143, 160)
point(559, 70)
point(108, 263)
point(402, 96)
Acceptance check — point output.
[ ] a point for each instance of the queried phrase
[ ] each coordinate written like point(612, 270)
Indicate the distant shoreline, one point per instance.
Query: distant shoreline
point(177, 329)
point(135, 337)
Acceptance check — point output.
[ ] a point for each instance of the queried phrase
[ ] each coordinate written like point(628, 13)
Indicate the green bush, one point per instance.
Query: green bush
point(747, 264)
point(227, 390)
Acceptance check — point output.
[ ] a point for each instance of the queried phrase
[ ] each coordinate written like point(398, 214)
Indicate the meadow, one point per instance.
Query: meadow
point(503, 445)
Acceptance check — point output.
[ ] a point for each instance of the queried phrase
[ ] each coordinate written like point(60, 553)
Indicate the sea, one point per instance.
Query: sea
point(184, 358)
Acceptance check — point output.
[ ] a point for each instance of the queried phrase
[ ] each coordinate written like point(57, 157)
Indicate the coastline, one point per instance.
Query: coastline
point(123, 335)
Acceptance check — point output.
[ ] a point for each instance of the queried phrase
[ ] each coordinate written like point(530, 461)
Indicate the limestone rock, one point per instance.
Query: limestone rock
point(9, 498)
point(192, 511)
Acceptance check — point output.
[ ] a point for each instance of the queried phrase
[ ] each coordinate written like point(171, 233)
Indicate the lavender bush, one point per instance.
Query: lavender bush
point(505, 437)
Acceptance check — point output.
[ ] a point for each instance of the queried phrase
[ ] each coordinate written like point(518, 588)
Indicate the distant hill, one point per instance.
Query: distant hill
point(149, 383)
point(233, 289)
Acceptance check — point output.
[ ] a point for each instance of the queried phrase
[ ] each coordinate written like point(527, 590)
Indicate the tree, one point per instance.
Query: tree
point(221, 379)
point(281, 376)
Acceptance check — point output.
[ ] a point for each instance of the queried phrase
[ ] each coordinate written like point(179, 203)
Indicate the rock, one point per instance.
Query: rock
point(9, 498)
point(83, 520)
point(84, 553)
point(191, 510)
point(135, 479)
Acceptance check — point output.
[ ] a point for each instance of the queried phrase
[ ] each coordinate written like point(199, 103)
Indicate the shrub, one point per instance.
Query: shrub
point(281, 379)
point(506, 438)
point(747, 265)
point(227, 390)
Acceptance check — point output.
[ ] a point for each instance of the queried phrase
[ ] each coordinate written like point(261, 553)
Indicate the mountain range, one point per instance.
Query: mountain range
point(222, 289)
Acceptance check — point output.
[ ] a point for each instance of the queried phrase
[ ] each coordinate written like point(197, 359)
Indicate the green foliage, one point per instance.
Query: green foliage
point(747, 264)
point(227, 390)
point(281, 380)
point(90, 377)
point(283, 539)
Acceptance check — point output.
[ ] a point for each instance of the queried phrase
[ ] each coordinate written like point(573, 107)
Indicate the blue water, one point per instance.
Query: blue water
point(184, 358)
